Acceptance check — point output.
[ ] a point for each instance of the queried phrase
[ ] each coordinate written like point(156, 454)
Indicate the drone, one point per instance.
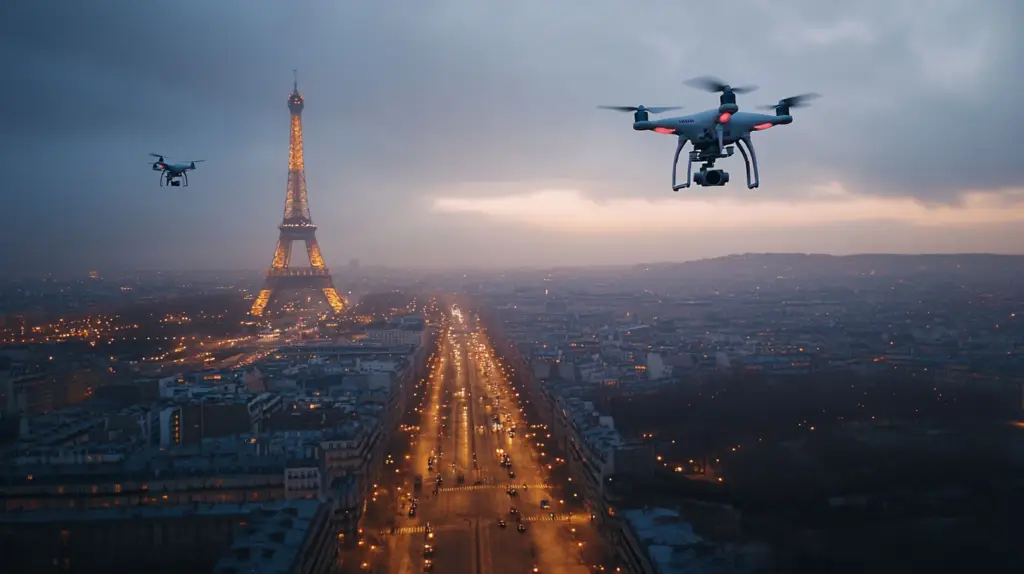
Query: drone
point(714, 133)
point(173, 173)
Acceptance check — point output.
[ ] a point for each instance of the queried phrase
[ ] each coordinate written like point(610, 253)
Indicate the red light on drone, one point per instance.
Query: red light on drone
point(665, 130)
point(764, 126)
point(724, 118)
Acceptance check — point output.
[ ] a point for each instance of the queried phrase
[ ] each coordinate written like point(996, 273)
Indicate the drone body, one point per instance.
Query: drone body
point(715, 133)
point(173, 173)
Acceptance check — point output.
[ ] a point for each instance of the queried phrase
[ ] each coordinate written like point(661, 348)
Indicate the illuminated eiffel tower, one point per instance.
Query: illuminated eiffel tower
point(297, 225)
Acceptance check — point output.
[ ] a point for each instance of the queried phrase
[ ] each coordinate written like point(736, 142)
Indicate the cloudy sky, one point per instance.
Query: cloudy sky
point(464, 132)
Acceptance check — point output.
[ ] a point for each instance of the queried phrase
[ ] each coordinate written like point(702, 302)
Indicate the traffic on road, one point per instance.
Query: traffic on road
point(472, 493)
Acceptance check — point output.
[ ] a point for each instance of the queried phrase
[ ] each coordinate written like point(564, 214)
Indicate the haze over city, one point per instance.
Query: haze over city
point(465, 134)
point(329, 287)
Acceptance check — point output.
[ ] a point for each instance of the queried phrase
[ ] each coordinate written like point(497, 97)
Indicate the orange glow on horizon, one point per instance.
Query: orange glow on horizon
point(574, 212)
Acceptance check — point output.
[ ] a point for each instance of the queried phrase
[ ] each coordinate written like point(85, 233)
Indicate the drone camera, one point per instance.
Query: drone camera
point(175, 184)
point(711, 178)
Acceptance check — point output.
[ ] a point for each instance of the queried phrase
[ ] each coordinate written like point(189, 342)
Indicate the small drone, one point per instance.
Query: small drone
point(173, 173)
point(715, 132)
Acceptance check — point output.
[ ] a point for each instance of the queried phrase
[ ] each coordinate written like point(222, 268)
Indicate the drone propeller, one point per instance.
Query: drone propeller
point(655, 110)
point(159, 156)
point(800, 101)
point(714, 85)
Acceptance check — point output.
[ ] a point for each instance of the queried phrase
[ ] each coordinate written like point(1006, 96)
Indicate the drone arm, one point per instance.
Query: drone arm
point(745, 144)
point(675, 166)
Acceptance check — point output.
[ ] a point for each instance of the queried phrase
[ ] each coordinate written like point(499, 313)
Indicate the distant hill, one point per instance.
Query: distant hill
point(983, 267)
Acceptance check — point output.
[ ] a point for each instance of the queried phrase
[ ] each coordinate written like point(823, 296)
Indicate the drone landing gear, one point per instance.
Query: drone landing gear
point(702, 177)
point(174, 180)
point(675, 166)
point(746, 146)
point(709, 177)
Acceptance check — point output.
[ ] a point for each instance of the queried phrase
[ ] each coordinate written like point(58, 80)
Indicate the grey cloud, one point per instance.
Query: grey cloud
point(407, 99)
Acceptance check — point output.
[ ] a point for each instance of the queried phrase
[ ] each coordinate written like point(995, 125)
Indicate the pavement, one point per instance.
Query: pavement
point(463, 393)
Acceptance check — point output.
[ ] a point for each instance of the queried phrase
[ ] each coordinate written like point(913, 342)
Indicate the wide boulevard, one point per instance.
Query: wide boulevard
point(470, 521)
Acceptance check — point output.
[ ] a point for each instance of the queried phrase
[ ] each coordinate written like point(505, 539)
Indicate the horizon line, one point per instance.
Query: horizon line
point(453, 268)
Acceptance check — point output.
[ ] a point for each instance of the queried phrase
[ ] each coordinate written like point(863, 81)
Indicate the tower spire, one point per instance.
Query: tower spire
point(295, 80)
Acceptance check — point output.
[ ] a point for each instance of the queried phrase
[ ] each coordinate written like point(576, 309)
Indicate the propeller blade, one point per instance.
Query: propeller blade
point(662, 109)
point(800, 101)
point(156, 155)
point(715, 85)
point(198, 160)
point(655, 110)
point(706, 83)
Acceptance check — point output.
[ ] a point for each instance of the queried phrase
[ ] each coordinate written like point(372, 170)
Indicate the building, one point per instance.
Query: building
point(351, 458)
point(662, 541)
point(301, 479)
point(179, 538)
point(291, 539)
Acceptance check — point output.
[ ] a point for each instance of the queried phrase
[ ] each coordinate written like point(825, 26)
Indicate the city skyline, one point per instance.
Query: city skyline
point(470, 137)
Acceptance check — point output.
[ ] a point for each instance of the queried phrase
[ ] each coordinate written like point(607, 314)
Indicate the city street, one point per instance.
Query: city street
point(465, 522)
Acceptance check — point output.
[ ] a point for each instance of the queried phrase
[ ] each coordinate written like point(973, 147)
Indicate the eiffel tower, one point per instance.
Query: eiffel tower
point(297, 225)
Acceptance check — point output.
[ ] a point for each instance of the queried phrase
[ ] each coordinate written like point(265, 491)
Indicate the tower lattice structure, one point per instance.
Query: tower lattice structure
point(297, 225)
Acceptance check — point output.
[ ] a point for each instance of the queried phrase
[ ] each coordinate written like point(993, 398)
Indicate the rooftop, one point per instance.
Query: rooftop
point(143, 512)
point(272, 540)
point(675, 548)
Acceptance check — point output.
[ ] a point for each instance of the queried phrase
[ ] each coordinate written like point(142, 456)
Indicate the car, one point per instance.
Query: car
point(501, 523)
point(521, 527)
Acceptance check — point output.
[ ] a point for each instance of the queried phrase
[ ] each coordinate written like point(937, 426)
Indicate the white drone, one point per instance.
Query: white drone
point(173, 173)
point(715, 132)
